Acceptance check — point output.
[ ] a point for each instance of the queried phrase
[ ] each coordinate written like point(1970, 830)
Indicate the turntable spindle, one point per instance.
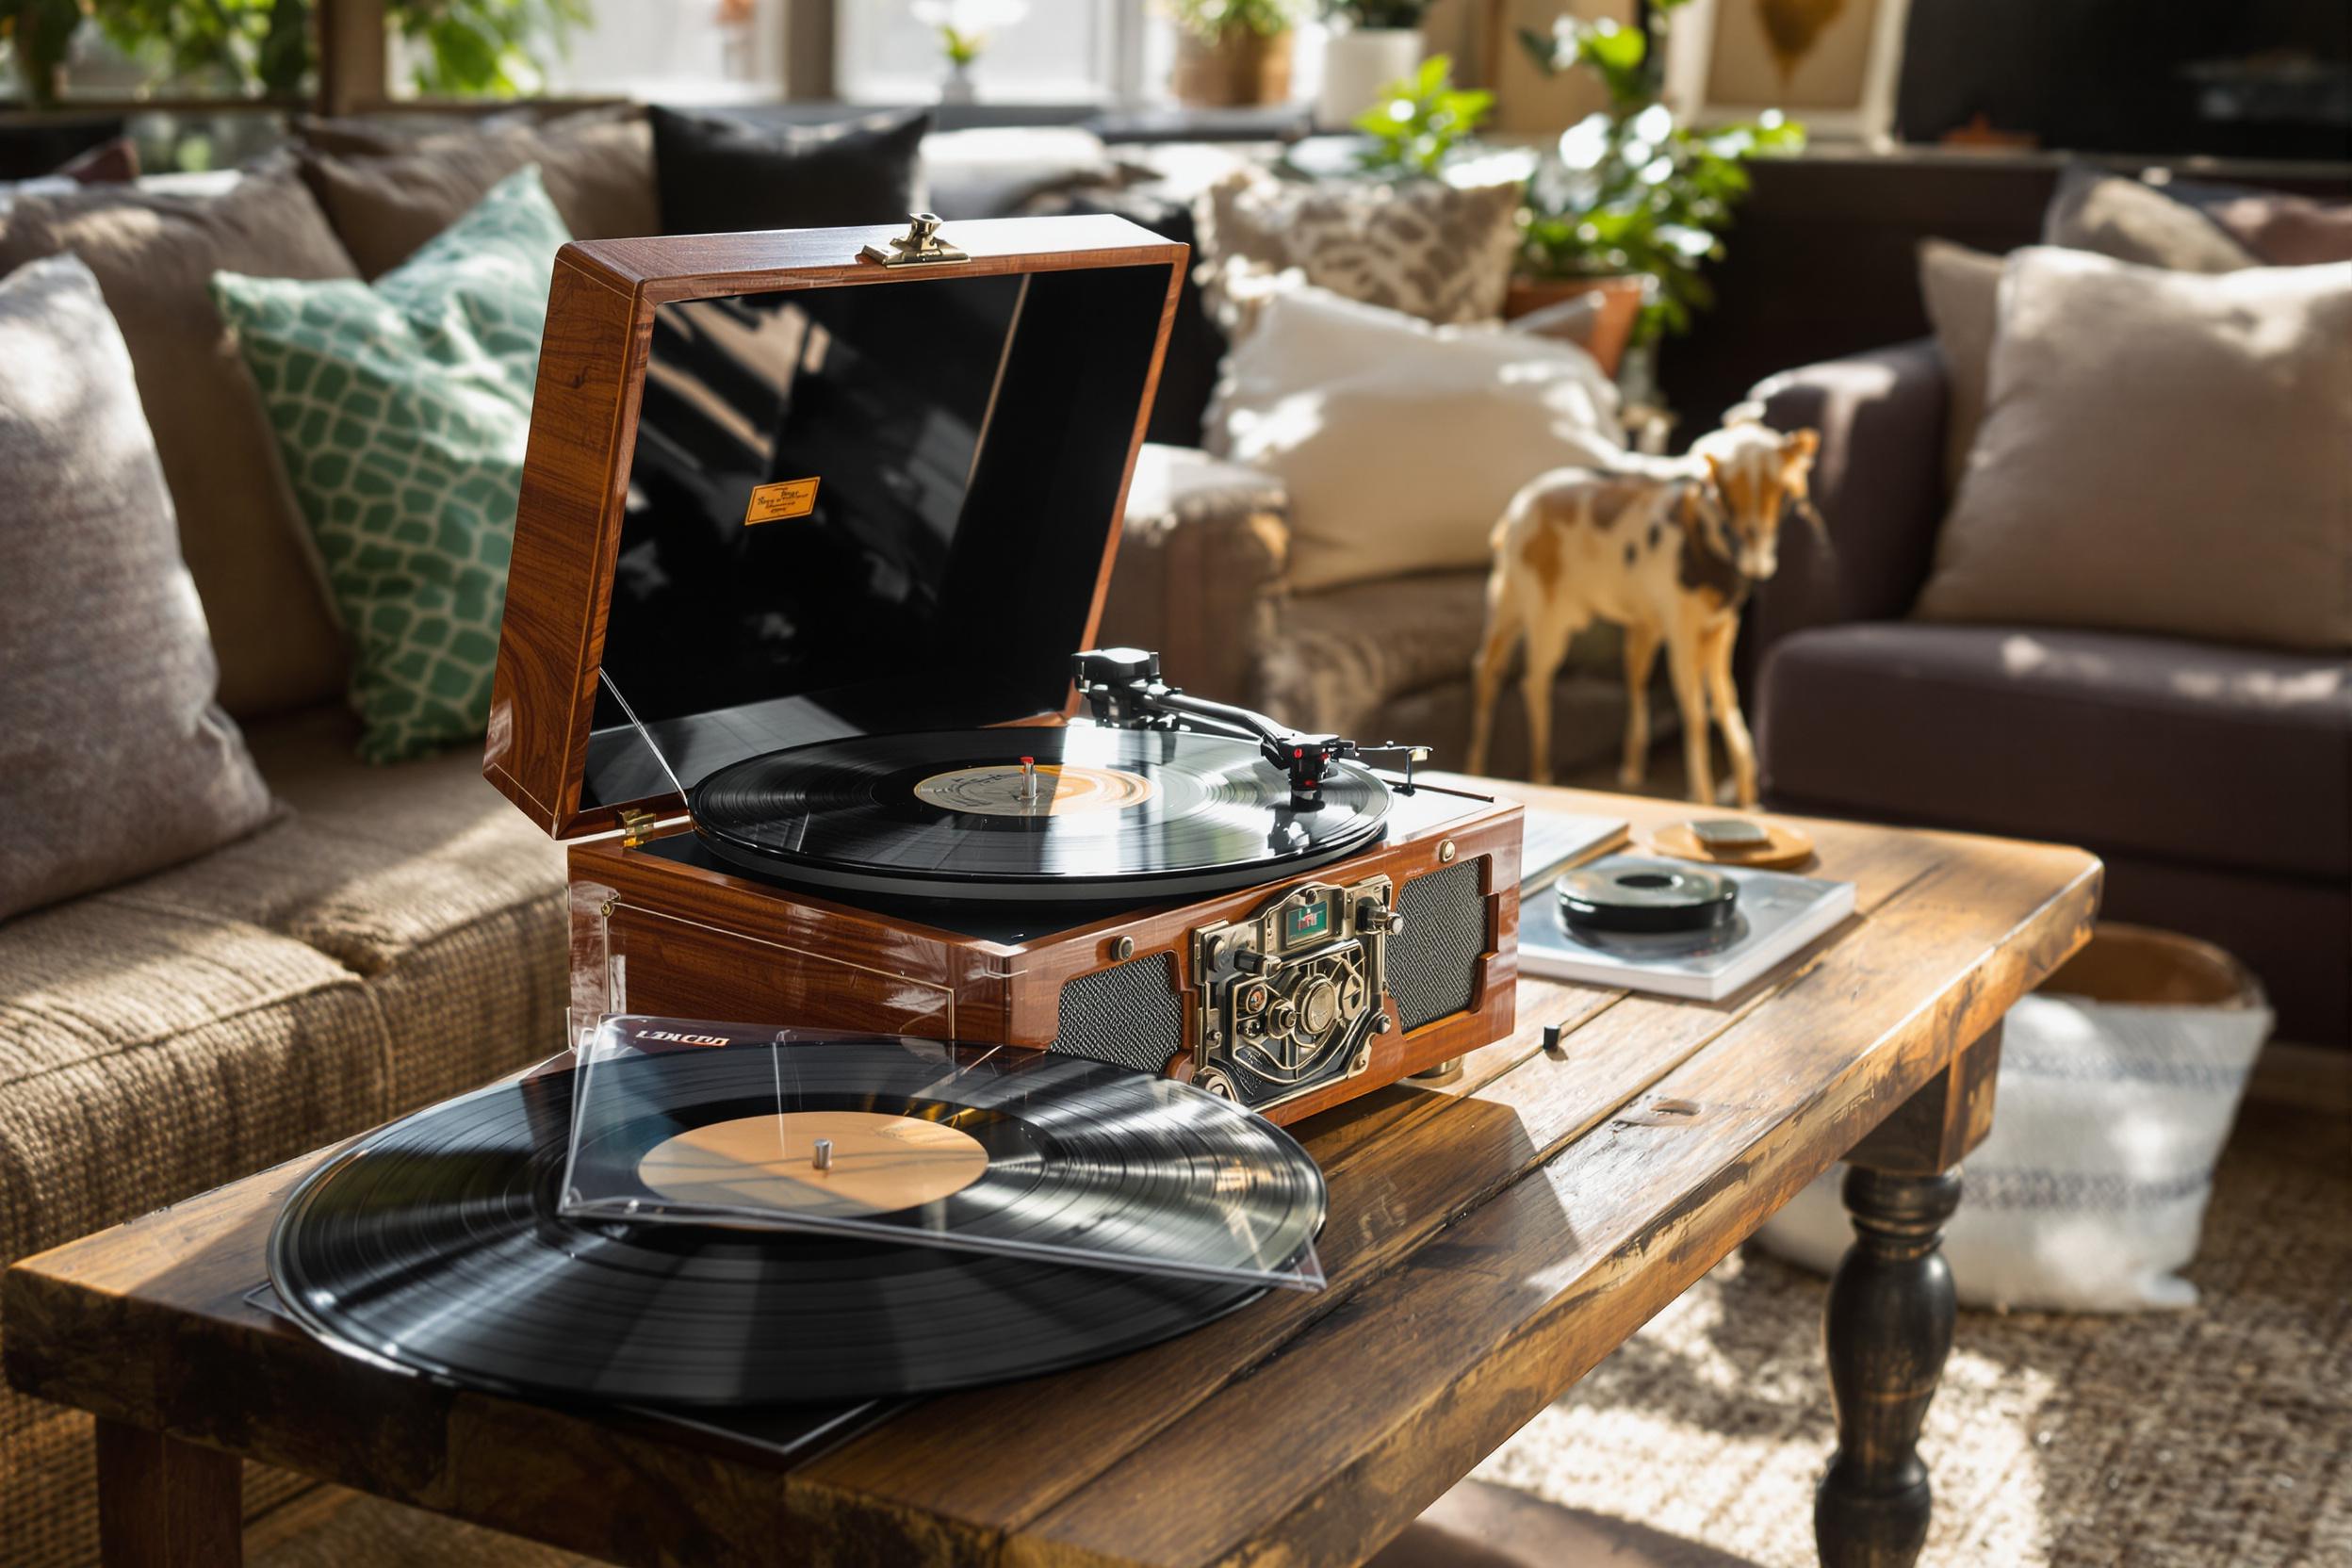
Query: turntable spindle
point(823, 1157)
point(1028, 778)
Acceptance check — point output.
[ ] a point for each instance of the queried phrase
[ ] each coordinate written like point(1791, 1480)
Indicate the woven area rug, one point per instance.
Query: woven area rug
point(2216, 1438)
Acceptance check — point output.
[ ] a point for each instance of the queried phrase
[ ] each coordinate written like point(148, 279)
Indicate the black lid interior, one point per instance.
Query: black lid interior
point(968, 435)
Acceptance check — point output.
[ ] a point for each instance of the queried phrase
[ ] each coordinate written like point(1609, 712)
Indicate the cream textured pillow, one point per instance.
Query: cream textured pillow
point(2162, 452)
point(114, 758)
point(1962, 288)
point(1422, 247)
point(1399, 443)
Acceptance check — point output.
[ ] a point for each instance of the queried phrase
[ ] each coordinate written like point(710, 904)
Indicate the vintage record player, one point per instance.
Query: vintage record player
point(814, 529)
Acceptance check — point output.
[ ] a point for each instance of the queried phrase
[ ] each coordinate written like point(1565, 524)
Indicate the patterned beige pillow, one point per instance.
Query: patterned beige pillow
point(1422, 247)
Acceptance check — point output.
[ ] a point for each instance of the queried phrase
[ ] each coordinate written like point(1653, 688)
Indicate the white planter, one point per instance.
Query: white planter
point(1357, 64)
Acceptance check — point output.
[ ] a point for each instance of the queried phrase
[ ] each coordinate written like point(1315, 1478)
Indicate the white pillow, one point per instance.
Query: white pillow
point(2091, 1188)
point(1399, 443)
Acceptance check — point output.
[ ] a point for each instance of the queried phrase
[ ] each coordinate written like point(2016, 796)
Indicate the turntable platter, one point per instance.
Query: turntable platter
point(1070, 815)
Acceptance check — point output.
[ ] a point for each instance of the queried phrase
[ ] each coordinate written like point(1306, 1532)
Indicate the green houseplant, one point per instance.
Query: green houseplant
point(1232, 51)
point(460, 48)
point(1630, 192)
point(1417, 124)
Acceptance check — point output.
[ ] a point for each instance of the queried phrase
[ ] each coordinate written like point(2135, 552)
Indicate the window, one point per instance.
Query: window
point(672, 51)
point(1061, 50)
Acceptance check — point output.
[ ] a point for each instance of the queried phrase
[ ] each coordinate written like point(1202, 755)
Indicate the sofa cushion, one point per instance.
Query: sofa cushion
point(114, 758)
point(402, 408)
point(1340, 659)
point(2107, 489)
point(154, 253)
point(720, 174)
point(145, 1056)
point(1400, 442)
point(372, 863)
point(597, 167)
point(1432, 249)
point(2196, 753)
point(2119, 216)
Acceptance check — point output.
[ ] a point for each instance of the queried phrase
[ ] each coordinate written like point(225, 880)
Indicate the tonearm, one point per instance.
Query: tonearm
point(1123, 687)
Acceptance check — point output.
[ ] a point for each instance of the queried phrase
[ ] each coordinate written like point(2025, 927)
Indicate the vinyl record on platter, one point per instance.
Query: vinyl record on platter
point(1067, 814)
point(434, 1244)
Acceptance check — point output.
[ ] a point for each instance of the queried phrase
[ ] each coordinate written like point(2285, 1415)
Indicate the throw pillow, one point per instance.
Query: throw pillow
point(1399, 443)
point(719, 175)
point(241, 531)
point(1962, 288)
point(1422, 247)
point(2091, 1188)
point(114, 758)
point(2132, 221)
point(2161, 451)
point(402, 408)
point(597, 167)
point(2279, 229)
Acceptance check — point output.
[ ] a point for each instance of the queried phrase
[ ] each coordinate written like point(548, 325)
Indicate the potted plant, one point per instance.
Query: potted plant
point(963, 27)
point(1633, 202)
point(1418, 121)
point(1374, 42)
point(1232, 51)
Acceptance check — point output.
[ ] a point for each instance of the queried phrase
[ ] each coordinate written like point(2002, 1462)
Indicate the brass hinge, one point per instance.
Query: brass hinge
point(919, 246)
point(635, 825)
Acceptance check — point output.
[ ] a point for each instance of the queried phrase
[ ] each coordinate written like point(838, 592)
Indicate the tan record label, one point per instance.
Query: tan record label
point(773, 503)
point(1012, 791)
point(879, 1162)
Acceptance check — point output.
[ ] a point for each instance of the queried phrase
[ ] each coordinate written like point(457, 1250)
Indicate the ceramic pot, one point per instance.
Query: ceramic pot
point(1621, 298)
point(1357, 64)
point(1235, 68)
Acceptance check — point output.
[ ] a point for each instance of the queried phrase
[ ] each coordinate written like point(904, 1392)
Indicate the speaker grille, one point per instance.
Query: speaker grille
point(1129, 1014)
point(1433, 962)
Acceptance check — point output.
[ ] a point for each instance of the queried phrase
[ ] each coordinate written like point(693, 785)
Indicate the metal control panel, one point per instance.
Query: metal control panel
point(1288, 999)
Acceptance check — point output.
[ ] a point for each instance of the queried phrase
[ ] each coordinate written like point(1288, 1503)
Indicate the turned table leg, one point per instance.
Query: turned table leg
point(166, 1504)
point(1888, 1325)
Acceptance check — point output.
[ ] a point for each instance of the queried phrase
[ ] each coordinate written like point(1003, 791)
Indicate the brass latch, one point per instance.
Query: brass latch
point(635, 826)
point(919, 246)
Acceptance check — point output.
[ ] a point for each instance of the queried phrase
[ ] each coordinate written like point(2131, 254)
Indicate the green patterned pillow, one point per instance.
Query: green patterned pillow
point(401, 407)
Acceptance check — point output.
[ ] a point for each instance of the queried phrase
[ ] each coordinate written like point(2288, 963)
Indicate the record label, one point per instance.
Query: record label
point(876, 1163)
point(1047, 790)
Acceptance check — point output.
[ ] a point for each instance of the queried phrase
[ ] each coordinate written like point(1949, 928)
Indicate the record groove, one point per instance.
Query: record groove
point(434, 1244)
point(919, 814)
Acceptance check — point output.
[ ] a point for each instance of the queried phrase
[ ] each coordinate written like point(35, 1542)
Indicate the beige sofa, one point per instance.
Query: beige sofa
point(398, 936)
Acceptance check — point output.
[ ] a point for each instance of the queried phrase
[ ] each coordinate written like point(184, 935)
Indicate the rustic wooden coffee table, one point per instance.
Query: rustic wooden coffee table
point(1489, 1242)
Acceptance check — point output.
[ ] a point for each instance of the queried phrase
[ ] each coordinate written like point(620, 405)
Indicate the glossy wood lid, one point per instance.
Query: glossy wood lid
point(782, 491)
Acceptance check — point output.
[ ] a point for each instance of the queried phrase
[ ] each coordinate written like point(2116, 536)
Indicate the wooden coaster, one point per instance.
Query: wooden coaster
point(1787, 849)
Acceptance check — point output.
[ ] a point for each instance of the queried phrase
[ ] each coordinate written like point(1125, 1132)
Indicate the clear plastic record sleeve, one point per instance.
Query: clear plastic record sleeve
point(890, 1139)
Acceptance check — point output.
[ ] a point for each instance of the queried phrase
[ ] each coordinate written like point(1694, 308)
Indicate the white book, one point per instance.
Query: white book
point(1777, 914)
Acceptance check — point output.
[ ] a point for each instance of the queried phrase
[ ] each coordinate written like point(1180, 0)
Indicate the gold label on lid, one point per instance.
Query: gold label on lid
point(773, 503)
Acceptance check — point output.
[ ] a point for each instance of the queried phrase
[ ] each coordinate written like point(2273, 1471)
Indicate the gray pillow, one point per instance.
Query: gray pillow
point(114, 758)
point(155, 253)
point(1962, 288)
point(2130, 222)
point(2162, 452)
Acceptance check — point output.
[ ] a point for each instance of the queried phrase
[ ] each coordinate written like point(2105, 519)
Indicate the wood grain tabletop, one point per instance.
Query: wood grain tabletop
point(1489, 1241)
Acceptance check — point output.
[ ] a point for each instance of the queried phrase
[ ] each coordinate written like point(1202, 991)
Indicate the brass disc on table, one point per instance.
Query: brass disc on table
point(1785, 848)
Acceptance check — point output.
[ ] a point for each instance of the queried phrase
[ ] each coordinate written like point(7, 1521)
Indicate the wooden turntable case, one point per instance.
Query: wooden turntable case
point(658, 929)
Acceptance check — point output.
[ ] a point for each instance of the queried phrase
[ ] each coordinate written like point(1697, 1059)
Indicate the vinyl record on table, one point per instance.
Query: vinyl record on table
point(434, 1244)
point(1098, 813)
point(1641, 894)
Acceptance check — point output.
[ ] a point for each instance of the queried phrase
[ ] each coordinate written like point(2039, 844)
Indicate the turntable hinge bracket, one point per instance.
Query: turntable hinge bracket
point(636, 826)
point(919, 246)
